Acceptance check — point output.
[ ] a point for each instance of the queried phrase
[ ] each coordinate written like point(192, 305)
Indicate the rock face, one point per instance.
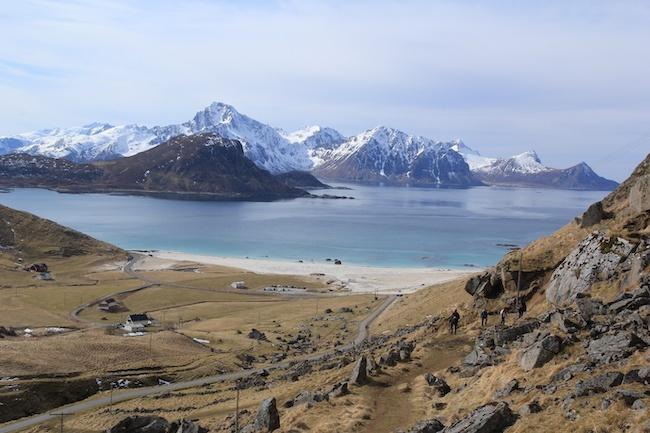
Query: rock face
point(427, 426)
point(640, 195)
point(140, 424)
point(594, 214)
point(438, 383)
point(155, 424)
point(595, 258)
point(491, 418)
point(599, 384)
point(540, 353)
point(359, 374)
point(615, 346)
point(268, 418)
point(487, 284)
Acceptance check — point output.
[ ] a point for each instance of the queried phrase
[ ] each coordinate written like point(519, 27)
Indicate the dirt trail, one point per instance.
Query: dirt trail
point(393, 409)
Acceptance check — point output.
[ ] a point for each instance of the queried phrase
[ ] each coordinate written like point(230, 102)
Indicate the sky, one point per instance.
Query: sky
point(570, 80)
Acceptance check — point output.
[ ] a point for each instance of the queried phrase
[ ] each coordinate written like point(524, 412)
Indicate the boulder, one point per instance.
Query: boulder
point(268, 418)
point(185, 426)
point(612, 347)
point(510, 387)
point(598, 384)
point(540, 353)
point(507, 334)
point(629, 396)
point(640, 194)
point(427, 426)
point(641, 375)
point(529, 408)
point(490, 418)
point(594, 214)
point(256, 334)
point(594, 259)
point(438, 383)
point(630, 301)
point(588, 307)
point(141, 424)
point(359, 374)
point(339, 390)
point(488, 285)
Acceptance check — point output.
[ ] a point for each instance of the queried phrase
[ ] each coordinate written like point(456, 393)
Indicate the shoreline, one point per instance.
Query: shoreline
point(356, 278)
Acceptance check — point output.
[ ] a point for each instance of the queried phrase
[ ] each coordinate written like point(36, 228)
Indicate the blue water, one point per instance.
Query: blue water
point(383, 226)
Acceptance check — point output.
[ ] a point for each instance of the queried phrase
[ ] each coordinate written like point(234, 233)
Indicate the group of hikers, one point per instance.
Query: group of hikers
point(454, 319)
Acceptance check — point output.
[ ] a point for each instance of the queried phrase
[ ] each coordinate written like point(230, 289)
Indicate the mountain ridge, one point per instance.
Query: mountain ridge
point(409, 159)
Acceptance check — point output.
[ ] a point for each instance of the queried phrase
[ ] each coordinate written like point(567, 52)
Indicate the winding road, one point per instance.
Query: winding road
point(120, 396)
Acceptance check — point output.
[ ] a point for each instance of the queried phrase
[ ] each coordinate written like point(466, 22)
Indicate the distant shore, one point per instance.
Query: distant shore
point(358, 279)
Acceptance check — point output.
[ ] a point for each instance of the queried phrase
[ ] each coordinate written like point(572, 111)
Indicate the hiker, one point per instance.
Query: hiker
point(521, 307)
point(484, 317)
point(454, 319)
point(503, 315)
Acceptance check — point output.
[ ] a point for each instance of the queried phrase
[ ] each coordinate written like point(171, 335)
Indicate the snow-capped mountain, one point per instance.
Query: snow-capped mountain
point(389, 155)
point(380, 154)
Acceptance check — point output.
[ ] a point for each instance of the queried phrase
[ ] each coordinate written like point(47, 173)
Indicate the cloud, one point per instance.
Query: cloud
point(570, 79)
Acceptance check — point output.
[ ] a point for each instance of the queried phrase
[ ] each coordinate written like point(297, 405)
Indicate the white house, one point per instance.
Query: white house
point(238, 285)
point(136, 322)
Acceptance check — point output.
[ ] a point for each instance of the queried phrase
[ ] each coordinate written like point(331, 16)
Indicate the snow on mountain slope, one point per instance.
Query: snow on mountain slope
point(525, 163)
point(471, 156)
point(387, 154)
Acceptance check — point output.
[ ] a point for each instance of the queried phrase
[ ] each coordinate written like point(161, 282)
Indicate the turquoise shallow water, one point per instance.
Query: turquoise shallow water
point(383, 226)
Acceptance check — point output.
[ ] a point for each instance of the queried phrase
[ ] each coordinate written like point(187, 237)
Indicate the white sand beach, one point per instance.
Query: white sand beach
point(355, 278)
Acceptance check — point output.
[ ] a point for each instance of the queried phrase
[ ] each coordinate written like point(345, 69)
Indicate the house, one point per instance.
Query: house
point(37, 267)
point(137, 322)
point(238, 285)
point(110, 305)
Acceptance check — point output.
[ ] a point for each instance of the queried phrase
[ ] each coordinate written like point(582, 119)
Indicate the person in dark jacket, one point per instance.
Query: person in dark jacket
point(454, 320)
point(484, 317)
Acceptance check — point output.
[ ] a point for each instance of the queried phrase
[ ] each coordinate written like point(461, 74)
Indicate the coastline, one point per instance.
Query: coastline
point(356, 278)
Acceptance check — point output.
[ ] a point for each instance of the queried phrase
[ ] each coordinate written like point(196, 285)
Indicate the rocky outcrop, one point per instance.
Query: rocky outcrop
point(614, 346)
point(427, 426)
point(598, 384)
point(540, 353)
point(640, 195)
point(488, 285)
point(441, 387)
point(359, 374)
point(595, 259)
point(490, 418)
point(267, 418)
point(155, 424)
point(594, 215)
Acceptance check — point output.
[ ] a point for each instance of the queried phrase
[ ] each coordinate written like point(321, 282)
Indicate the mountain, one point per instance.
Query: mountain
point(381, 154)
point(200, 166)
point(301, 179)
point(28, 235)
point(526, 170)
point(388, 155)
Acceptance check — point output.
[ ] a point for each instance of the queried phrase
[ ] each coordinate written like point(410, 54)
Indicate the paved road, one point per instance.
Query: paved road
point(94, 403)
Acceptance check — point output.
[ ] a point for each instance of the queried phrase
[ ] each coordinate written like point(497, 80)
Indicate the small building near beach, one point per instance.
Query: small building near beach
point(137, 322)
point(238, 285)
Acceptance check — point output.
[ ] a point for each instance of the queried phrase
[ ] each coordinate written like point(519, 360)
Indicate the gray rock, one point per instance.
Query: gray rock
point(490, 418)
point(641, 375)
point(588, 307)
point(630, 301)
point(639, 197)
point(594, 214)
point(438, 383)
point(427, 426)
point(510, 387)
point(140, 424)
point(529, 408)
point(540, 353)
point(256, 334)
point(508, 334)
point(612, 347)
point(390, 359)
point(359, 374)
point(594, 259)
point(639, 405)
point(339, 390)
point(185, 426)
point(268, 418)
point(598, 384)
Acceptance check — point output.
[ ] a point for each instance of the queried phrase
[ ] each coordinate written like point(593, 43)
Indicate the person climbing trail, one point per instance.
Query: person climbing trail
point(454, 320)
point(503, 315)
point(484, 317)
